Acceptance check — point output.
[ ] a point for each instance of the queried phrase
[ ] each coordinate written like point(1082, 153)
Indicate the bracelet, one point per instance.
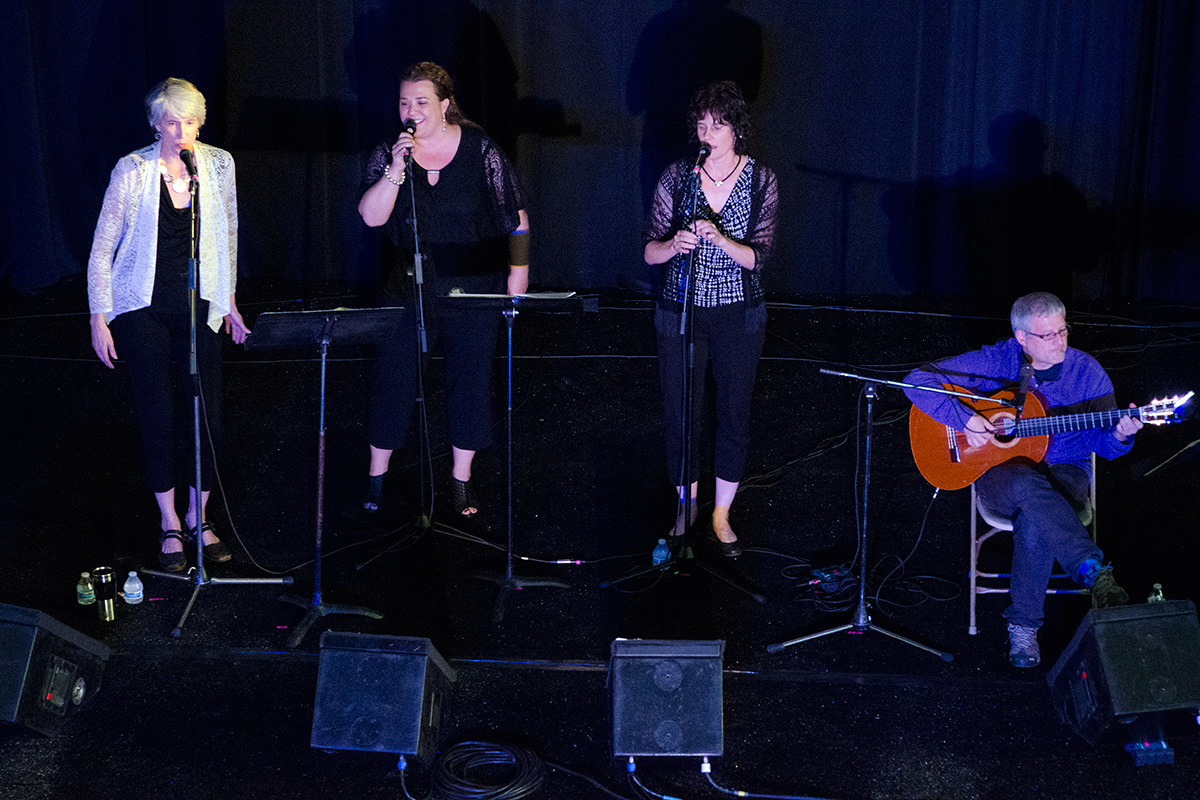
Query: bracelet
point(392, 180)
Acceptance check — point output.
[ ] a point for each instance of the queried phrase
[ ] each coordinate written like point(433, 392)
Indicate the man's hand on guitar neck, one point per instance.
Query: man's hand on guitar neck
point(1127, 426)
point(979, 430)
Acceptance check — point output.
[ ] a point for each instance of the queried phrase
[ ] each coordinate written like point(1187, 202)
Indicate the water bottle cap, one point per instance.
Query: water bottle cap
point(133, 573)
point(85, 574)
point(662, 541)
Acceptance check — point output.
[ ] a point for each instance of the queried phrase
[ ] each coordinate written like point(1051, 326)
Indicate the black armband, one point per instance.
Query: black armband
point(518, 249)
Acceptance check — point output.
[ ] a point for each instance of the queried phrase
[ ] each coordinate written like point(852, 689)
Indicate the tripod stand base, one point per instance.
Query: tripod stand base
point(509, 582)
point(686, 555)
point(861, 624)
point(199, 579)
point(317, 610)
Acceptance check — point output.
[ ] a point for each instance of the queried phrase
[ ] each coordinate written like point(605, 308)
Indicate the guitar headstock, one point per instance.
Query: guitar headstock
point(1163, 412)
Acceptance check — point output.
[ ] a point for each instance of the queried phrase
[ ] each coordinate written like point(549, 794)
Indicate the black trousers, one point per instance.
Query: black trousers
point(157, 349)
point(468, 341)
point(730, 338)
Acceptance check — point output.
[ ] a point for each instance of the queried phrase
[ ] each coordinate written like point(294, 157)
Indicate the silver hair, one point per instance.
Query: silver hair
point(174, 96)
point(1035, 304)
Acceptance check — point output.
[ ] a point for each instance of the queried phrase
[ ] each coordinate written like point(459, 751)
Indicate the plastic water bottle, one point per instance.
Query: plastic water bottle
point(85, 593)
point(133, 589)
point(1156, 596)
point(661, 552)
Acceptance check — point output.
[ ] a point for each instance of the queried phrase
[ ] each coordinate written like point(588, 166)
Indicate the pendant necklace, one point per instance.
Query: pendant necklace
point(178, 185)
point(727, 177)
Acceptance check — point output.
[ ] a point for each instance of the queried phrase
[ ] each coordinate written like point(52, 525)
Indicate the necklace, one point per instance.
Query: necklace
point(178, 185)
point(727, 177)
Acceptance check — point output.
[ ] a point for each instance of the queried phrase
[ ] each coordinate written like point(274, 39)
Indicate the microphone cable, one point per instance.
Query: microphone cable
point(511, 772)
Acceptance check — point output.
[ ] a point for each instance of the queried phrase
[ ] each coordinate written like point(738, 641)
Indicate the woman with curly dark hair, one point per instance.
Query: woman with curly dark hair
point(729, 234)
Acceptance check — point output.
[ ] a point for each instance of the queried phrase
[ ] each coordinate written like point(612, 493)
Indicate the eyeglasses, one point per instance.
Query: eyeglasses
point(1064, 332)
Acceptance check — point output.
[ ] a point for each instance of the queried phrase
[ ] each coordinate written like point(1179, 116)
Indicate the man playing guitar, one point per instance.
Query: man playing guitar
point(1046, 498)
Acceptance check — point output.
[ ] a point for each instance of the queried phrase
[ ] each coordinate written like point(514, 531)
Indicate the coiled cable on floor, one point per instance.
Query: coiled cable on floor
point(487, 771)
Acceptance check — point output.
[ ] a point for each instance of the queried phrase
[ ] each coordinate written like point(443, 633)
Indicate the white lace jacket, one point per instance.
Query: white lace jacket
point(125, 246)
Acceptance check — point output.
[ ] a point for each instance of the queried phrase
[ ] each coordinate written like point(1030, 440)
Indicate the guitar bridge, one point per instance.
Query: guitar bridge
point(952, 445)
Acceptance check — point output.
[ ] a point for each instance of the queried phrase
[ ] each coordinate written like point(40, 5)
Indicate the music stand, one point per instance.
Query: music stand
point(861, 623)
point(507, 305)
point(276, 329)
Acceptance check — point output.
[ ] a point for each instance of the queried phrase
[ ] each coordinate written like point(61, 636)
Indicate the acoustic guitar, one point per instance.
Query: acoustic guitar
point(947, 461)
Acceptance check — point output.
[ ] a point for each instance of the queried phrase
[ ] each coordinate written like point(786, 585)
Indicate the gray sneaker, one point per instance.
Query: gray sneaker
point(1106, 592)
point(1022, 646)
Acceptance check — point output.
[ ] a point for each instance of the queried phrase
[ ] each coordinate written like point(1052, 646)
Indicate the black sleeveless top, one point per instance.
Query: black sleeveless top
point(174, 249)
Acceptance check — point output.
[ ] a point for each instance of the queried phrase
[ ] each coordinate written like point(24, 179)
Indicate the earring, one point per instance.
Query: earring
point(443, 122)
point(157, 135)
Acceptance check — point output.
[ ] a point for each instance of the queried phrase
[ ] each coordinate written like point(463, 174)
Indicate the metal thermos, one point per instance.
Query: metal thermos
point(106, 593)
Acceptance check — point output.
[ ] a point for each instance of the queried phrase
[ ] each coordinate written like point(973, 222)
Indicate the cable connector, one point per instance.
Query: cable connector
point(631, 766)
point(705, 767)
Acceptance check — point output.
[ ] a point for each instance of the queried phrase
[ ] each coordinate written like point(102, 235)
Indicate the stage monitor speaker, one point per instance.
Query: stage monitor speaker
point(47, 670)
point(381, 693)
point(1137, 666)
point(666, 697)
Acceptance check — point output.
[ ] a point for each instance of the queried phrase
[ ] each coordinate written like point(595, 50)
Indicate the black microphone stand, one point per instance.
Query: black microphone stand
point(197, 576)
point(861, 623)
point(687, 337)
point(424, 456)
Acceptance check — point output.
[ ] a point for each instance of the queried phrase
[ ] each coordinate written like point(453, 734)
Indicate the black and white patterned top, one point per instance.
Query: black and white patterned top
point(748, 217)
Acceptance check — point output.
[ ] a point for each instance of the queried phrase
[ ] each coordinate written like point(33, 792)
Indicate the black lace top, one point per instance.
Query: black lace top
point(748, 217)
point(463, 219)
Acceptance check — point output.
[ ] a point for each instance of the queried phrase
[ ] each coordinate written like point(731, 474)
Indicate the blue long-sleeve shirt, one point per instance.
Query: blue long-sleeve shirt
point(1081, 386)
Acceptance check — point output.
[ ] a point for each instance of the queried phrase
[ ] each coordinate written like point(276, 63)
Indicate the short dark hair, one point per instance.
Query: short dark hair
point(724, 101)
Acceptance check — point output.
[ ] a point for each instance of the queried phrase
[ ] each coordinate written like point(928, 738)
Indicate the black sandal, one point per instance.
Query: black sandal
point(216, 552)
point(462, 497)
point(727, 549)
point(373, 502)
point(172, 562)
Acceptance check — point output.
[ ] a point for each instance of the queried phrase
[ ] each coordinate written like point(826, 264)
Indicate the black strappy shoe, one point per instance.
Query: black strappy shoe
point(373, 502)
point(172, 562)
point(462, 497)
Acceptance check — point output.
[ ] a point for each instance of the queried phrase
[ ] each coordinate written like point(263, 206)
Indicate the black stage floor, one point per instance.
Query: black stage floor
point(226, 709)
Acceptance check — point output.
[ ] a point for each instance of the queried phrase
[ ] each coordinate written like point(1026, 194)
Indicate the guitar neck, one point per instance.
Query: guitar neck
point(1042, 426)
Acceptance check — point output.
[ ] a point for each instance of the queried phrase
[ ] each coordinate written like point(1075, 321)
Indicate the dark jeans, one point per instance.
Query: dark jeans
point(731, 338)
point(468, 342)
point(1046, 504)
point(157, 349)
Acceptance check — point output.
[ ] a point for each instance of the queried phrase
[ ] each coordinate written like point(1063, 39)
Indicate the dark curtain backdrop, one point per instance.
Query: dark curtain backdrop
point(932, 148)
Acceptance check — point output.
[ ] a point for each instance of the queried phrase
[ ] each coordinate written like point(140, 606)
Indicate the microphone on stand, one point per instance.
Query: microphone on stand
point(1023, 389)
point(189, 161)
point(705, 150)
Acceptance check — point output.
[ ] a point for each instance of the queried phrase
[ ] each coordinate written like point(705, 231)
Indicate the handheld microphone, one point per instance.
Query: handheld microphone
point(705, 150)
point(189, 161)
point(410, 127)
